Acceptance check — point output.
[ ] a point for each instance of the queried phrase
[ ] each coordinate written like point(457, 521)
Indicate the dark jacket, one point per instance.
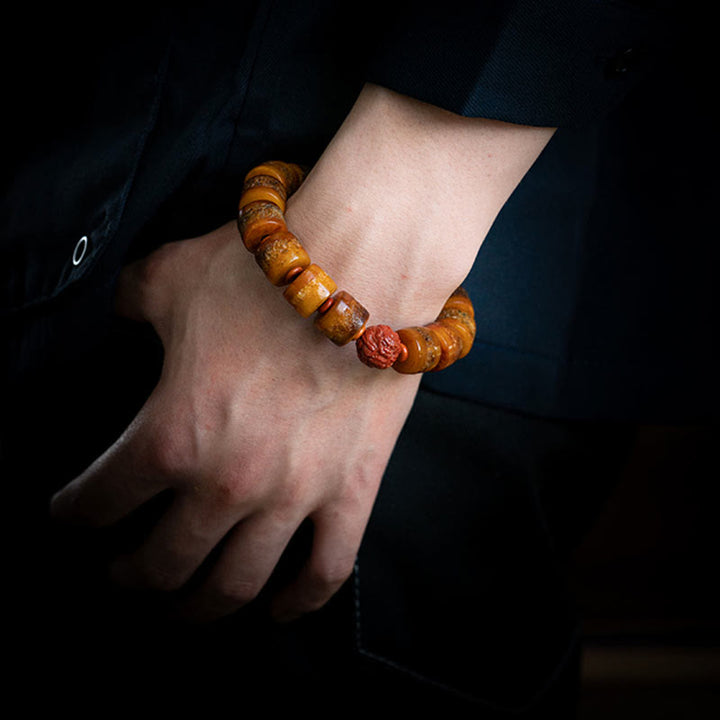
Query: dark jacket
point(592, 290)
point(141, 135)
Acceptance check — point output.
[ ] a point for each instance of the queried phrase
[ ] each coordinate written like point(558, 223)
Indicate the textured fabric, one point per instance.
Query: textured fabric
point(139, 133)
point(150, 130)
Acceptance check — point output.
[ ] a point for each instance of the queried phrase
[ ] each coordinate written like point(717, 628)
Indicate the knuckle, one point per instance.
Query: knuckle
point(160, 578)
point(169, 452)
point(329, 577)
point(232, 489)
point(236, 592)
point(165, 582)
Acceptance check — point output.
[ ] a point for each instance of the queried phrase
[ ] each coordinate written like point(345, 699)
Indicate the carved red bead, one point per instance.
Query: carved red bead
point(379, 346)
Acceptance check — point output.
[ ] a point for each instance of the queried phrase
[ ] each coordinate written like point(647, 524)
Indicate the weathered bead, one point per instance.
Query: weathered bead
point(258, 220)
point(343, 320)
point(462, 324)
point(289, 174)
point(460, 300)
point(309, 290)
point(423, 349)
point(450, 344)
point(379, 346)
point(280, 253)
point(266, 181)
point(262, 194)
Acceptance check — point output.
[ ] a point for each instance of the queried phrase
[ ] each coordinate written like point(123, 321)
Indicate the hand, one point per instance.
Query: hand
point(258, 422)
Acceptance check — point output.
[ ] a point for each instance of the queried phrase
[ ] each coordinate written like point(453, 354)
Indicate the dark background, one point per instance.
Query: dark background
point(646, 581)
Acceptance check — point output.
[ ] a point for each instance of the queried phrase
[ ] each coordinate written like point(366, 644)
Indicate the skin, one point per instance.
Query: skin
point(259, 422)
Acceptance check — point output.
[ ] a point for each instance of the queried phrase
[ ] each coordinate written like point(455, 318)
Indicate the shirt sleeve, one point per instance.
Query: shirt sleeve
point(557, 63)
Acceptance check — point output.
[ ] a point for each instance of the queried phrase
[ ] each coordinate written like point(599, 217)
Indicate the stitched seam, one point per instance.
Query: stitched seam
point(398, 667)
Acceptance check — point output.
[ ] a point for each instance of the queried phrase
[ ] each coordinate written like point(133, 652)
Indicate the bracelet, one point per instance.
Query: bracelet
point(338, 315)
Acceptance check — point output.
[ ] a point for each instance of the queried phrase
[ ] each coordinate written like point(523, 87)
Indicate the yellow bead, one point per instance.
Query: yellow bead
point(344, 320)
point(262, 194)
point(450, 344)
point(462, 324)
point(423, 350)
point(289, 174)
point(309, 290)
point(280, 253)
point(258, 220)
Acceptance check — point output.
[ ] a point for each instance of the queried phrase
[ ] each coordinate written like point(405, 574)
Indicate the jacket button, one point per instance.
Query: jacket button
point(80, 250)
point(622, 62)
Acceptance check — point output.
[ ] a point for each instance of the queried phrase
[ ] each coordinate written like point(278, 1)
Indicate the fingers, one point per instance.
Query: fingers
point(331, 562)
point(250, 554)
point(178, 545)
point(117, 483)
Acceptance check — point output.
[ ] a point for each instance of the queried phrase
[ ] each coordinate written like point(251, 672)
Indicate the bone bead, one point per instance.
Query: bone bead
point(258, 220)
point(309, 290)
point(344, 320)
point(423, 350)
point(280, 253)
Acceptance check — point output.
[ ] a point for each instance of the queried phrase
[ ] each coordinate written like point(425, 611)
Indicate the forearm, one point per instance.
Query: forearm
point(400, 202)
point(258, 422)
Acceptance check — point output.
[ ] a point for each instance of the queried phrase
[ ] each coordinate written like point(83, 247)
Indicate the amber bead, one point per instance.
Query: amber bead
point(280, 253)
point(289, 174)
point(460, 300)
point(451, 344)
point(423, 350)
point(309, 290)
point(266, 181)
point(343, 320)
point(263, 194)
point(258, 220)
point(379, 346)
point(462, 324)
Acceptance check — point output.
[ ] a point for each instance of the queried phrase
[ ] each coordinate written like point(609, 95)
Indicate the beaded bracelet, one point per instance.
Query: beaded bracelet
point(339, 316)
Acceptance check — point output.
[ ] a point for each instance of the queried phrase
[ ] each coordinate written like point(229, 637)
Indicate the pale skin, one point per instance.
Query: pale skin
point(259, 422)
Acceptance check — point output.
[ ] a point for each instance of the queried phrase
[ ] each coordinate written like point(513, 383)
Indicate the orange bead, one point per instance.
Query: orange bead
point(258, 220)
point(462, 324)
point(309, 290)
point(460, 300)
point(343, 320)
point(423, 350)
point(266, 181)
point(289, 174)
point(279, 254)
point(450, 344)
point(262, 194)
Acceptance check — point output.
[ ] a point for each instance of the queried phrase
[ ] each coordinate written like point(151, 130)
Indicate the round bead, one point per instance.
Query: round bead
point(379, 346)
point(462, 324)
point(258, 220)
point(450, 344)
point(280, 253)
point(343, 320)
point(309, 290)
point(423, 350)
